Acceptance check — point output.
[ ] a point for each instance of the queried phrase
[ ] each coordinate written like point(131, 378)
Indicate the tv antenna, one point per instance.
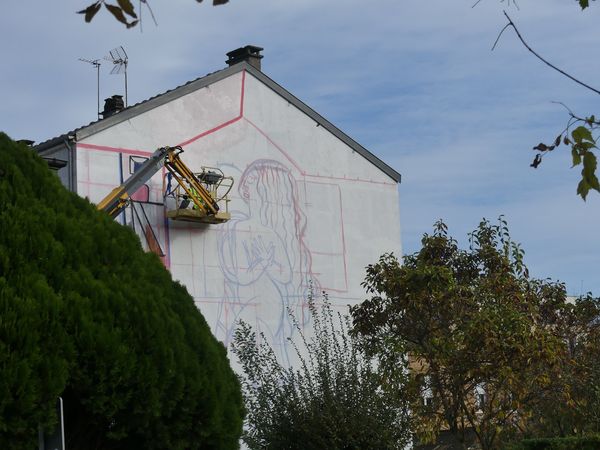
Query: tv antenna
point(96, 63)
point(119, 58)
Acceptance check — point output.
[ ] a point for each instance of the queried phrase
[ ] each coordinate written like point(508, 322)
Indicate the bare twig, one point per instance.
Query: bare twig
point(500, 35)
point(501, 1)
point(571, 113)
point(577, 118)
point(512, 24)
point(151, 12)
point(147, 3)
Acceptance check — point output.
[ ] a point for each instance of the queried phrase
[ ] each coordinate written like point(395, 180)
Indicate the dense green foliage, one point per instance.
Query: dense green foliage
point(86, 314)
point(335, 399)
point(498, 355)
point(567, 443)
point(570, 404)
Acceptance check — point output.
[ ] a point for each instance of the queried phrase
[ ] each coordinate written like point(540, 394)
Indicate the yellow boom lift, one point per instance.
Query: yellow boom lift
point(198, 196)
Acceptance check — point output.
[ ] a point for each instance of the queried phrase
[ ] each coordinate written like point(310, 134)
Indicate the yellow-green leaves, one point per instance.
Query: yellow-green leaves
point(583, 145)
point(474, 328)
point(581, 134)
point(588, 175)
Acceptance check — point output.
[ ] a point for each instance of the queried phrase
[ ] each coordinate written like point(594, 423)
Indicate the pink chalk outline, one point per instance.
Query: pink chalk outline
point(240, 116)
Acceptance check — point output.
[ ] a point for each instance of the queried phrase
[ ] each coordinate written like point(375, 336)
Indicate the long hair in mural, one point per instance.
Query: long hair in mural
point(264, 256)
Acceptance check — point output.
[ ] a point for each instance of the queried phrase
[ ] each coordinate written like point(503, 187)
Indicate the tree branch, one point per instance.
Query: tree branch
point(512, 24)
point(501, 1)
point(500, 35)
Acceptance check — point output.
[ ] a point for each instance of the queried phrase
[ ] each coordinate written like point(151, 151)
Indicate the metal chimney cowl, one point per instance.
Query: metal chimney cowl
point(113, 105)
point(249, 53)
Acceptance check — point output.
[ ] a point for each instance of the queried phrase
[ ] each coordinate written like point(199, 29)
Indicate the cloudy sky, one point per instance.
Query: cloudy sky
point(413, 81)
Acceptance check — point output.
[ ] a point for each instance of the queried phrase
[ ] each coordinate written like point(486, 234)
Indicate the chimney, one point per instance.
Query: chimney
point(249, 53)
point(113, 105)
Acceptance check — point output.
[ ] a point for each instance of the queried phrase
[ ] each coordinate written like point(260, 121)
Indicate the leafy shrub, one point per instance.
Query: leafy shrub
point(335, 399)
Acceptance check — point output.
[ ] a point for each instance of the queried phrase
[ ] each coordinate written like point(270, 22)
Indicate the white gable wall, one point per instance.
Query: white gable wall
point(306, 208)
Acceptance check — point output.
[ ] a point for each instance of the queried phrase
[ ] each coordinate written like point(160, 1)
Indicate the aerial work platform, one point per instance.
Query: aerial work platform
point(196, 197)
point(200, 197)
point(194, 215)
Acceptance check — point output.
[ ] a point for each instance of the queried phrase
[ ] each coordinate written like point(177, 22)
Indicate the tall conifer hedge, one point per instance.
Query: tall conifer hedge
point(86, 314)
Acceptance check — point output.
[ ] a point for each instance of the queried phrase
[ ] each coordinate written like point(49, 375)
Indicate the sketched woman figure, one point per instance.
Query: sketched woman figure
point(263, 253)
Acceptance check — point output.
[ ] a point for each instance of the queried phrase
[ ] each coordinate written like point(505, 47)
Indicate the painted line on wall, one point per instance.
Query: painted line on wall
point(343, 254)
point(326, 253)
point(167, 259)
point(306, 174)
point(226, 124)
point(278, 147)
point(87, 166)
point(242, 267)
point(242, 93)
point(219, 300)
point(136, 152)
point(343, 238)
point(211, 131)
point(106, 148)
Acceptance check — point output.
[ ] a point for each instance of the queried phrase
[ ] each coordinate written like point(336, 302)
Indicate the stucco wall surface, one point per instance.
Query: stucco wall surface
point(306, 209)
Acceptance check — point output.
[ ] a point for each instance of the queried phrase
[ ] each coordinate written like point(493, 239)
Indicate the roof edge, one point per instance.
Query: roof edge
point(53, 144)
point(199, 83)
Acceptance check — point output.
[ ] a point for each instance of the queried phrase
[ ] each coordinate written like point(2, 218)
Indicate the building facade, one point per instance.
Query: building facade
point(310, 207)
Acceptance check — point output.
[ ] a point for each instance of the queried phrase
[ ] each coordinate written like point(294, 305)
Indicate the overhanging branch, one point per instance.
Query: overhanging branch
point(514, 27)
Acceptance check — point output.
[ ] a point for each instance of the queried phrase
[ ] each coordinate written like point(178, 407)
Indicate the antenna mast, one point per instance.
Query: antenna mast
point(119, 58)
point(96, 63)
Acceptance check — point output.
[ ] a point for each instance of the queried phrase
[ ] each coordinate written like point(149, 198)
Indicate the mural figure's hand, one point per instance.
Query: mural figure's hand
point(259, 254)
point(263, 253)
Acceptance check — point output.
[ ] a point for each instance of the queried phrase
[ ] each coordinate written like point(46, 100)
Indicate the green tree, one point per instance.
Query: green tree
point(471, 324)
point(576, 377)
point(86, 314)
point(335, 399)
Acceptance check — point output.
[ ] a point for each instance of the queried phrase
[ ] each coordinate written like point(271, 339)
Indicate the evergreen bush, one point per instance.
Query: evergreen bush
point(86, 314)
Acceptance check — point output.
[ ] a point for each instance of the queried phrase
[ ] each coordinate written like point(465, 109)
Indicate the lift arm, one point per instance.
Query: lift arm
point(118, 199)
point(190, 183)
